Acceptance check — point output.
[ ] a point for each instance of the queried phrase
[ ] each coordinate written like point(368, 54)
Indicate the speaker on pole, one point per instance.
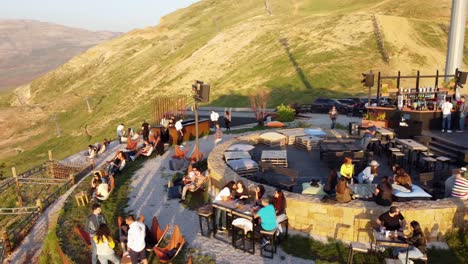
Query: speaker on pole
point(461, 77)
point(204, 93)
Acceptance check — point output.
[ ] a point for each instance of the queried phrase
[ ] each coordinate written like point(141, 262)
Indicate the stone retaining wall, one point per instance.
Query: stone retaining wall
point(346, 222)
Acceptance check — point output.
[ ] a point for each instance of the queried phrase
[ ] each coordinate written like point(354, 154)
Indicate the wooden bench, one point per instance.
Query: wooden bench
point(292, 174)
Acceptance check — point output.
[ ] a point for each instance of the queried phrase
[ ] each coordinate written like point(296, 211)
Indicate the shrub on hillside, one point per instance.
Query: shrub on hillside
point(285, 113)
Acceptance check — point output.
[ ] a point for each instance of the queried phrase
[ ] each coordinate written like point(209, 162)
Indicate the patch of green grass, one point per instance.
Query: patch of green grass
point(458, 242)
point(49, 252)
point(430, 33)
point(73, 215)
point(331, 252)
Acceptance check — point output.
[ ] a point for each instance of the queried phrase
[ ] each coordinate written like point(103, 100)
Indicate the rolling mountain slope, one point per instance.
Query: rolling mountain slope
point(30, 48)
point(303, 50)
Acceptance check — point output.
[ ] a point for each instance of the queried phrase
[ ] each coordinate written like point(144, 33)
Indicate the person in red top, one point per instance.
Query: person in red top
point(279, 203)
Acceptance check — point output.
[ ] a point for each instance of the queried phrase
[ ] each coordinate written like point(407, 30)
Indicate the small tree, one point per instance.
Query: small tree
point(285, 113)
point(258, 103)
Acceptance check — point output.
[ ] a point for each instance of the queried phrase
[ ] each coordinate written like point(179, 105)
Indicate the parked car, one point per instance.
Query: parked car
point(323, 105)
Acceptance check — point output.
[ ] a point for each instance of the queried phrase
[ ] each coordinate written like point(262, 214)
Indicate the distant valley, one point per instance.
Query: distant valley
point(29, 49)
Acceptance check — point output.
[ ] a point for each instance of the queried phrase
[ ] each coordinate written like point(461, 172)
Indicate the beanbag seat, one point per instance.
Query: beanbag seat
point(275, 124)
point(416, 194)
point(308, 189)
point(242, 164)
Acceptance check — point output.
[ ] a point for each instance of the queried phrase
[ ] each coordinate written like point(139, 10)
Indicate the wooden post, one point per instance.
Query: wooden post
point(50, 154)
point(40, 205)
point(72, 178)
point(18, 187)
point(7, 242)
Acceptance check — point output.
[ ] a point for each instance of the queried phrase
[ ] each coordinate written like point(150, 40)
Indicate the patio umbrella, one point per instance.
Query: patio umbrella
point(240, 147)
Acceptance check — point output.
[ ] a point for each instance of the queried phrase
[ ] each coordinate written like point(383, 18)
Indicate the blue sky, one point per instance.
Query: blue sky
point(113, 15)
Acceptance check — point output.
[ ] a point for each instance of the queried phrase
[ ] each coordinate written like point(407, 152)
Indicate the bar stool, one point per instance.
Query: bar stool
point(390, 154)
point(81, 198)
point(443, 160)
point(428, 164)
point(398, 158)
point(354, 248)
point(271, 237)
point(240, 231)
point(206, 213)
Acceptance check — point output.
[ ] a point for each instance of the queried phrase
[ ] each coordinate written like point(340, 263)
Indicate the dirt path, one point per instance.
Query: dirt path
point(30, 248)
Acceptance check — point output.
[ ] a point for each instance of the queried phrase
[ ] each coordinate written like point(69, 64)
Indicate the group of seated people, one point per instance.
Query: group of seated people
point(392, 222)
point(95, 150)
point(337, 183)
point(101, 186)
point(268, 214)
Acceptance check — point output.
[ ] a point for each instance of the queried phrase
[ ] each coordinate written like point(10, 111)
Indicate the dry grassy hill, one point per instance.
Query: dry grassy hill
point(304, 49)
point(30, 48)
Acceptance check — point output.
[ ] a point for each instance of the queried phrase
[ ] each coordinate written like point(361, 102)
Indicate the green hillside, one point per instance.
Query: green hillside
point(304, 49)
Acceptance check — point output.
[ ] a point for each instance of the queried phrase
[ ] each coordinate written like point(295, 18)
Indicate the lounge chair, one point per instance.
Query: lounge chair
point(179, 153)
point(83, 234)
point(170, 252)
point(158, 233)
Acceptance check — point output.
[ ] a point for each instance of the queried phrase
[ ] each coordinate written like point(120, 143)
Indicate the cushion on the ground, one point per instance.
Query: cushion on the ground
point(272, 136)
point(275, 124)
point(240, 147)
point(416, 194)
point(308, 189)
point(242, 164)
point(315, 132)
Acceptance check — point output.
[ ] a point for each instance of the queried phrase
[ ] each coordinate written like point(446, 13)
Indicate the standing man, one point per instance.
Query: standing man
point(93, 221)
point(145, 130)
point(214, 118)
point(180, 133)
point(136, 240)
point(392, 220)
point(120, 132)
point(446, 109)
point(333, 114)
point(463, 111)
point(369, 133)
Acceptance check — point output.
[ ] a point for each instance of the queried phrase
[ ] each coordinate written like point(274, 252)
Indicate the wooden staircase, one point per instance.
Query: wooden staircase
point(450, 145)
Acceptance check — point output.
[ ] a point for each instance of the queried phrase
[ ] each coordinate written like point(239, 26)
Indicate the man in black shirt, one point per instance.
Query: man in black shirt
point(93, 221)
point(392, 220)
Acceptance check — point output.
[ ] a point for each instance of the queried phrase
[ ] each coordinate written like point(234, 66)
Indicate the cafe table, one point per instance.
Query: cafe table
point(381, 239)
point(233, 208)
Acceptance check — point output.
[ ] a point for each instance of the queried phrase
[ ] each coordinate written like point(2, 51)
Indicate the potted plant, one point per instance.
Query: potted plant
point(378, 118)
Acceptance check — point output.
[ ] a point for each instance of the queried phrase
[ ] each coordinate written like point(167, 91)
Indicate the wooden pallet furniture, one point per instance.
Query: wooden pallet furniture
point(277, 158)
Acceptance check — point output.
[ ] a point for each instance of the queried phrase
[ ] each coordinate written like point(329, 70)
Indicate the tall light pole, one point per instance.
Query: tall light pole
point(456, 37)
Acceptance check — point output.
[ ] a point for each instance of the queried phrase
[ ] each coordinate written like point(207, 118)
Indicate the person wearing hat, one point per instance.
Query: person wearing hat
point(457, 185)
point(369, 173)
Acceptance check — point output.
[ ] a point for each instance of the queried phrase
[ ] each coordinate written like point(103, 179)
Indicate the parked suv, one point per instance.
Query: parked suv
point(323, 105)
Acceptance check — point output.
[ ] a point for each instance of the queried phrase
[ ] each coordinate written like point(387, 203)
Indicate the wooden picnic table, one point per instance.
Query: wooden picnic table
point(385, 132)
point(412, 146)
point(233, 155)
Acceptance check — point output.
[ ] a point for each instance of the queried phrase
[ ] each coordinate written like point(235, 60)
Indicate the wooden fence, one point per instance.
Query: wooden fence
point(49, 173)
point(169, 106)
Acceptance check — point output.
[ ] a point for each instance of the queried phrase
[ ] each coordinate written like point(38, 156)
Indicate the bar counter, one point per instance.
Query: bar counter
point(430, 119)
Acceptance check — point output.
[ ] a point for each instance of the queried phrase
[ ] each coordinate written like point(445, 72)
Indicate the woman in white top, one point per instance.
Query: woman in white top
point(369, 173)
point(224, 195)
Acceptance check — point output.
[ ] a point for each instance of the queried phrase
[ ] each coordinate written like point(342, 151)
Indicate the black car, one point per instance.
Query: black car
point(356, 106)
point(323, 105)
